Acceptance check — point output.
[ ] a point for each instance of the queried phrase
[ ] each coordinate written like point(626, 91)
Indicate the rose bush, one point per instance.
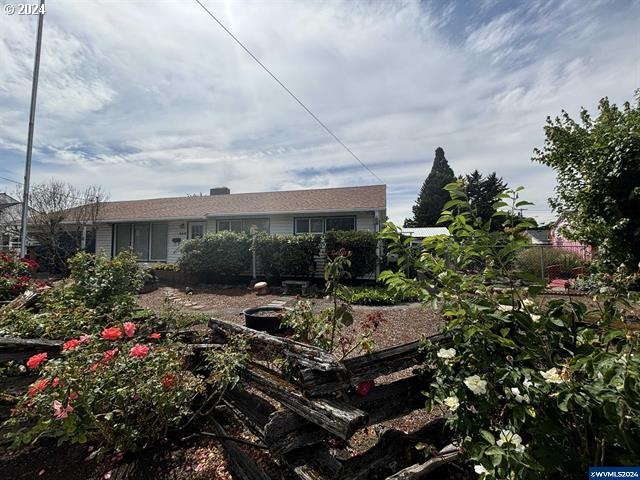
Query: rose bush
point(15, 275)
point(534, 389)
point(98, 291)
point(122, 393)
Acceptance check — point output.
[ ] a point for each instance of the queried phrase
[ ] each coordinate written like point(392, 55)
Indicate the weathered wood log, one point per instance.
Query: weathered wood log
point(252, 410)
point(389, 360)
point(287, 431)
point(319, 372)
point(394, 450)
point(422, 471)
point(18, 349)
point(242, 466)
point(334, 416)
point(315, 464)
point(25, 300)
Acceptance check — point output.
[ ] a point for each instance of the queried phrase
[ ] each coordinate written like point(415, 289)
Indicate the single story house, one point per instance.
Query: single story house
point(156, 228)
point(10, 210)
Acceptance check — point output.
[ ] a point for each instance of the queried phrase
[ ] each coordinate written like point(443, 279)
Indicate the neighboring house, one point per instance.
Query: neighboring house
point(10, 210)
point(156, 228)
point(557, 239)
point(538, 236)
point(420, 233)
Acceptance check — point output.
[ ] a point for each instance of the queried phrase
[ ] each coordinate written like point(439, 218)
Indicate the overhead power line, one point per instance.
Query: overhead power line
point(11, 180)
point(272, 75)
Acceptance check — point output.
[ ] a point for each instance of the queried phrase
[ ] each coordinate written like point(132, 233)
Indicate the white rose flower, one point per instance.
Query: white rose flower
point(452, 402)
point(505, 308)
point(479, 469)
point(551, 375)
point(476, 384)
point(535, 318)
point(447, 353)
point(527, 302)
point(518, 396)
point(527, 383)
point(509, 438)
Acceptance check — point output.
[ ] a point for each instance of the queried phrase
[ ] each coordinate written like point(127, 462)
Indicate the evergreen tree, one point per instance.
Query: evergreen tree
point(432, 196)
point(482, 192)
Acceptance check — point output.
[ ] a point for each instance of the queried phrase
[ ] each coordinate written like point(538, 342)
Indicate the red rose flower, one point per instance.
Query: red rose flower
point(364, 388)
point(129, 329)
point(55, 382)
point(155, 336)
point(37, 387)
point(111, 333)
point(169, 381)
point(73, 396)
point(36, 360)
point(139, 351)
point(109, 354)
point(71, 344)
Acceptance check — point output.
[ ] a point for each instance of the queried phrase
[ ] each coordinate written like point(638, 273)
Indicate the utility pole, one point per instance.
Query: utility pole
point(32, 117)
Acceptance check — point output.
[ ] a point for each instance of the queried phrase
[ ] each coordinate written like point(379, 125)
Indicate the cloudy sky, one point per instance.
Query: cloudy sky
point(152, 98)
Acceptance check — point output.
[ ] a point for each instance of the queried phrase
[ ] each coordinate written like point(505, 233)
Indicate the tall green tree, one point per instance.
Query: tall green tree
point(597, 163)
point(482, 192)
point(432, 198)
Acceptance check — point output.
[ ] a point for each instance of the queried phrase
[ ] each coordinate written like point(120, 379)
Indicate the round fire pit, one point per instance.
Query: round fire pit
point(265, 319)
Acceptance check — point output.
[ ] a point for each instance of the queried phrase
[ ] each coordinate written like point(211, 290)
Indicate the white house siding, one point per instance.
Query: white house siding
point(278, 224)
point(103, 239)
point(177, 229)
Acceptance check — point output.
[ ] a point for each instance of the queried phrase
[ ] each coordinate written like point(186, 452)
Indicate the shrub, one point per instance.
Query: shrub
point(528, 260)
point(377, 296)
point(169, 267)
point(123, 389)
point(363, 248)
point(104, 284)
point(99, 291)
point(287, 255)
point(217, 255)
point(534, 390)
point(15, 275)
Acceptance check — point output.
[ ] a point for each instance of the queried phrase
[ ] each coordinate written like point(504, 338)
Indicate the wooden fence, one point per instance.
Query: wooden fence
point(300, 418)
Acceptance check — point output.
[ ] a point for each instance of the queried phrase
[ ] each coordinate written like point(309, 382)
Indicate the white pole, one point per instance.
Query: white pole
point(32, 117)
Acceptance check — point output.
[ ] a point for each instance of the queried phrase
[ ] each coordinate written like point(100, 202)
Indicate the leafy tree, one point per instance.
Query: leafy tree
point(597, 162)
point(482, 193)
point(432, 198)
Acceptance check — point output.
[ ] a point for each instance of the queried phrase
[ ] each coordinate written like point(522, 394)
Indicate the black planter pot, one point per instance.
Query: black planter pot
point(264, 323)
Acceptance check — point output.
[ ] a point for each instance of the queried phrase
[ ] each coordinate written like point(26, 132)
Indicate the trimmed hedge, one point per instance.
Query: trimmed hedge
point(217, 255)
point(228, 254)
point(287, 255)
point(376, 296)
point(362, 246)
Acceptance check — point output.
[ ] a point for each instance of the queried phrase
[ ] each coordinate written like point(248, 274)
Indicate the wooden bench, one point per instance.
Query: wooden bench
point(303, 284)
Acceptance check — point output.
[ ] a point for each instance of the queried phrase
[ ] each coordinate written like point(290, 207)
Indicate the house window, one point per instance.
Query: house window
point(320, 225)
point(310, 225)
point(340, 223)
point(122, 237)
point(244, 225)
point(148, 240)
point(196, 229)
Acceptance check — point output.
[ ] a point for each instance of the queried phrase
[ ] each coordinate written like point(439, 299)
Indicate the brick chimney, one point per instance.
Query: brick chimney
point(219, 191)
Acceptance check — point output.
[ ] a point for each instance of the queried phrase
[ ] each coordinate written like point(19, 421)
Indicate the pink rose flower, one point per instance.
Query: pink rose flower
point(139, 351)
point(129, 329)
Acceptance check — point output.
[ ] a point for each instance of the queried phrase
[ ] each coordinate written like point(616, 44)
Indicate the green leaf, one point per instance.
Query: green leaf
point(488, 436)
